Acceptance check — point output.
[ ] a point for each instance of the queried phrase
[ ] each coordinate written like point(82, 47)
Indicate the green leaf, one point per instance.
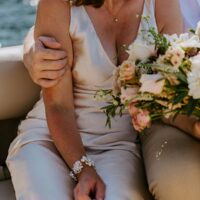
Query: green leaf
point(191, 106)
point(179, 97)
point(182, 77)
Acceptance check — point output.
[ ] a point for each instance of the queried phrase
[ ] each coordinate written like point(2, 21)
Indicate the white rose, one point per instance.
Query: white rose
point(171, 38)
point(195, 61)
point(184, 37)
point(152, 83)
point(192, 42)
point(194, 78)
point(176, 39)
point(194, 84)
point(140, 50)
point(198, 29)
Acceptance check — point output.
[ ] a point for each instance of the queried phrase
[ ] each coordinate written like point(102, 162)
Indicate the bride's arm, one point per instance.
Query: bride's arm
point(53, 20)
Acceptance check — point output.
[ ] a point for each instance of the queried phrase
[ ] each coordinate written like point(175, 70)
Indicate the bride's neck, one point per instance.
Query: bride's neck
point(112, 5)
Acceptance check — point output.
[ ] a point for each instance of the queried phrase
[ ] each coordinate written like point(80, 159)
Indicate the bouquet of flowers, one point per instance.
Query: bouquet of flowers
point(160, 78)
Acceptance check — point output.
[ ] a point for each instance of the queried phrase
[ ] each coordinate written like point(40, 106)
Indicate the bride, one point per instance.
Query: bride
point(64, 138)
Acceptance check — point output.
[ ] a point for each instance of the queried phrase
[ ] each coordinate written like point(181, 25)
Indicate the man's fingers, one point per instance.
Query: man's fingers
point(100, 191)
point(52, 54)
point(45, 83)
point(52, 65)
point(49, 42)
point(52, 75)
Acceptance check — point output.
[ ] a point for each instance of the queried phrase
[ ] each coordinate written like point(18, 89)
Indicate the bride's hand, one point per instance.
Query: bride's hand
point(89, 184)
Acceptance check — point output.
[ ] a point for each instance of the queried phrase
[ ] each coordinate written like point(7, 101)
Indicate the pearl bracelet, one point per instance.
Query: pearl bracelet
point(79, 165)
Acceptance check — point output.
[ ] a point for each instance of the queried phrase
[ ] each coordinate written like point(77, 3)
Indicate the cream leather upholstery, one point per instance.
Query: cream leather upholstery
point(17, 96)
point(6, 190)
point(17, 92)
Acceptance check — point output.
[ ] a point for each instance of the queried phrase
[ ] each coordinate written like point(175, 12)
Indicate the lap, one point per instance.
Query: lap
point(123, 173)
point(38, 172)
point(172, 163)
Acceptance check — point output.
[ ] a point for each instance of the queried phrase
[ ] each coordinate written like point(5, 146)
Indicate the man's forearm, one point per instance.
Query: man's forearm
point(28, 44)
point(183, 122)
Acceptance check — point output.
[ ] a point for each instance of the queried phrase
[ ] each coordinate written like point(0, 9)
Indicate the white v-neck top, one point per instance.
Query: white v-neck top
point(191, 13)
point(93, 70)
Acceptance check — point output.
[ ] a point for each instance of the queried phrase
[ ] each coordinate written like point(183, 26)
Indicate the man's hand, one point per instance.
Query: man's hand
point(196, 129)
point(45, 61)
point(90, 186)
point(186, 123)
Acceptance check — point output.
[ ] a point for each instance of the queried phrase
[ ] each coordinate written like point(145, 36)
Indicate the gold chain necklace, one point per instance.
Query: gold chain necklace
point(114, 16)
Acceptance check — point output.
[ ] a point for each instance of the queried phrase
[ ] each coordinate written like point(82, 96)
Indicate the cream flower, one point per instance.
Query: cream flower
point(175, 39)
point(176, 61)
point(175, 55)
point(128, 94)
point(195, 61)
point(140, 50)
point(194, 84)
point(175, 50)
point(171, 38)
point(152, 83)
point(192, 42)
point(194, 78)
point(198, 29)
point(127, 70)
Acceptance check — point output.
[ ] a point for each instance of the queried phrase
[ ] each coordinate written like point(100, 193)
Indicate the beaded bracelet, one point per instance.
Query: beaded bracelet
point(79, 165)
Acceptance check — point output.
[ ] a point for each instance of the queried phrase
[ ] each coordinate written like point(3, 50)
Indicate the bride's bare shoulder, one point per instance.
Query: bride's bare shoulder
point(52, 14)
point(53, 19)
point(54, 7)
point(168, 16)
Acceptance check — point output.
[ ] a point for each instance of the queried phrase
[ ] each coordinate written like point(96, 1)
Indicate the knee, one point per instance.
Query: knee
point(127, 193)
point(176, 186)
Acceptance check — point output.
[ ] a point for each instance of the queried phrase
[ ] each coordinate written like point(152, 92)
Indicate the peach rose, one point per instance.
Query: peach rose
point(127, 70)
point(140, 118)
